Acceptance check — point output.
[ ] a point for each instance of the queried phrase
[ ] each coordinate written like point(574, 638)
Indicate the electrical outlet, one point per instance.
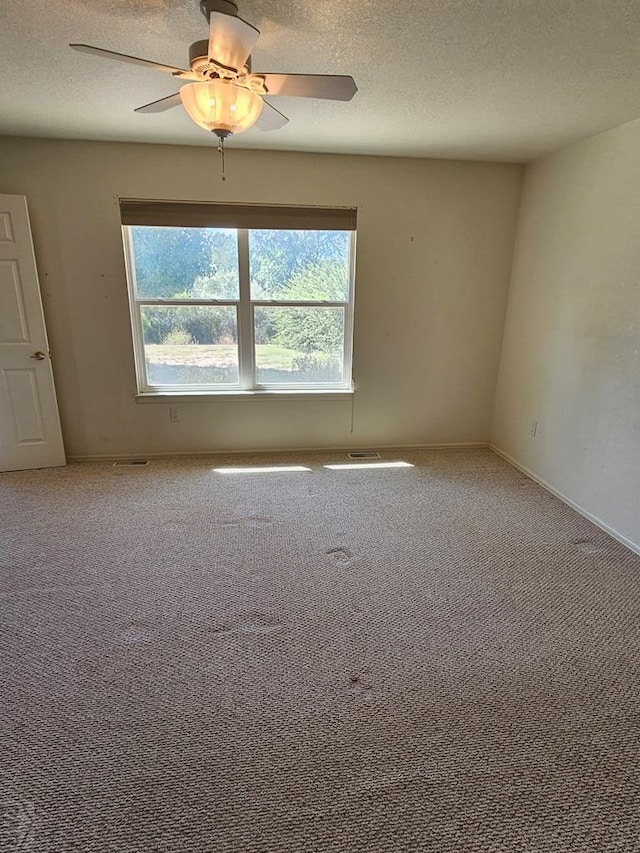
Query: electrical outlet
point(533, 429)
point(174, 414)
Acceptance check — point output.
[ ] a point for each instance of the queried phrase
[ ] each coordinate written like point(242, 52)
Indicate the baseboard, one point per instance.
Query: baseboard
point(615, 534)
point(348, 448)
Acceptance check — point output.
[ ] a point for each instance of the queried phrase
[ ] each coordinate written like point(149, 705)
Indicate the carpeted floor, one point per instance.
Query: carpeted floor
point(439, 658)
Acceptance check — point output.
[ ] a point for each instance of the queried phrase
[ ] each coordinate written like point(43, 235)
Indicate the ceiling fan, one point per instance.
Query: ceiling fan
point(221, 94)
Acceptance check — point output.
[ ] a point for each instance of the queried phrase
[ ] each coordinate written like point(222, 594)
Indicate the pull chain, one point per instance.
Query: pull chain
point(221, 150)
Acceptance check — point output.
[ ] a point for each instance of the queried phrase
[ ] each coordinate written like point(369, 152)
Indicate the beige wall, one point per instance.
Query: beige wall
point(571, 352)
point(435, 241)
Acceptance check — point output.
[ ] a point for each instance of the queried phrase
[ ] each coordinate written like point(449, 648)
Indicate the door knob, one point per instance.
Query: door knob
point(39, 355)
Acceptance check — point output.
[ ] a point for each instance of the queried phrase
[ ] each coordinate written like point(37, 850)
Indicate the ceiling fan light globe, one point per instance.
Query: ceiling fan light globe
point(221, 105)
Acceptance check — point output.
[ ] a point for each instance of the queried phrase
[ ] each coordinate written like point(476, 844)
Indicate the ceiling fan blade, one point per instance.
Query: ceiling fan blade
point(231, 40)
point(271, 118)
point(134, 60)
point(333, 87)
point(160, 105)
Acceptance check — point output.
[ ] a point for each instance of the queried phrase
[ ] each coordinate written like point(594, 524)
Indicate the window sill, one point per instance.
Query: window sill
point(276, 394)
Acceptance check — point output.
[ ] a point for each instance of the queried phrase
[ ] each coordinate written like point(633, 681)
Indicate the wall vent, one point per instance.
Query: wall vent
point(130, 462)
point(364, 454)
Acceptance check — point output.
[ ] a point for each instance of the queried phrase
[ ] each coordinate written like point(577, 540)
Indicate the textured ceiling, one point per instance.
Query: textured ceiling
point(472, 79)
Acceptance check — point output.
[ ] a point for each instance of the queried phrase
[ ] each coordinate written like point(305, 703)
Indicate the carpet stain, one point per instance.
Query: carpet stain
point(391, 780)
point(248, 521)
point(85, 666)
point(259, 521)
point(137, 632)
point(218, 630)
point(17, 822)
point(588, 546)
point(360, 686)
point(341, 556)
point(259, 623)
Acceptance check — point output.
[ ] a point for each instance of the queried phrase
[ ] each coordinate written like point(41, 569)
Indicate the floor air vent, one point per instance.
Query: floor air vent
point(364, 454)
point(131, 463)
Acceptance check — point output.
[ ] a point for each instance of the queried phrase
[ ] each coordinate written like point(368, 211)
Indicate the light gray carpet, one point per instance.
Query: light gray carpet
point(443, 658)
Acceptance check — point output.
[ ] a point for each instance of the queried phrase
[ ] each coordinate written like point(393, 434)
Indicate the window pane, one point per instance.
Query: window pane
point(185, 263)
point(300, 266)
point(299, 345)
point(190, 345)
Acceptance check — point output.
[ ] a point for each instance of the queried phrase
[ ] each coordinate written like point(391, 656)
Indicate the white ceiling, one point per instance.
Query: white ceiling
point(499, 80)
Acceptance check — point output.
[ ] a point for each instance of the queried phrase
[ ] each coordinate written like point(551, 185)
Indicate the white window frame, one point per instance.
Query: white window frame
point(245, 307)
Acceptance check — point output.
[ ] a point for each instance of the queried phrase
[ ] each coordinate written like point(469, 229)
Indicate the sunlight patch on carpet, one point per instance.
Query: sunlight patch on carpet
point(343, 466)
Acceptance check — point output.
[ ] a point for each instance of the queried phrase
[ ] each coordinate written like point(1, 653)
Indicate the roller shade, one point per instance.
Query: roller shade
point(256, 216)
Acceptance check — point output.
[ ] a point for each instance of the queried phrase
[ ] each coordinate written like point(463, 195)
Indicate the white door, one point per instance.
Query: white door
point(30, 435)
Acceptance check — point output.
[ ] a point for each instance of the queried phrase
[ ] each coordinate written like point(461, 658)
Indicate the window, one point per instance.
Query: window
point(240, 297)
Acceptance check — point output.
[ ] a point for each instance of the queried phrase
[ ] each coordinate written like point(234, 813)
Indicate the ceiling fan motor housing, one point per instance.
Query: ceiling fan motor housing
point(227, 7)
point(199, 56)
point(198, 53)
